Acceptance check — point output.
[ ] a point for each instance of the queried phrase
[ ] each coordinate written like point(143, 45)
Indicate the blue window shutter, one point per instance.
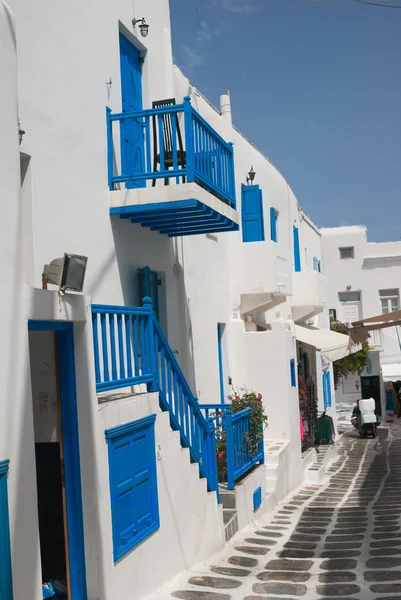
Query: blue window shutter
point(273, 224)
point(293, 375)
point(297, 253)
point(6, 586)
point(257, 498)
point(133, 484)
point(328, 389)
point(252, 214)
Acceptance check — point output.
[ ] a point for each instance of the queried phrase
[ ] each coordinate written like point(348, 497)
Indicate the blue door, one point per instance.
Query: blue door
point(252, 214)
point(69, 443)
point(6, 586)
point(132, 143)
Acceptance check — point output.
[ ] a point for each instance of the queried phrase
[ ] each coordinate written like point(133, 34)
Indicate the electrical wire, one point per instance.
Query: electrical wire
point(358, 1)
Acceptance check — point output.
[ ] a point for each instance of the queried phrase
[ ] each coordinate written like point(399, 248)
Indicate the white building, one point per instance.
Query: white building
point(236, 289)
point(364, 281)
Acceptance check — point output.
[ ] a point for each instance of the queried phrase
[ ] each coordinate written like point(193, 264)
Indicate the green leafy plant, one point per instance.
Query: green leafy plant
point(351, 364)
point(240, 400)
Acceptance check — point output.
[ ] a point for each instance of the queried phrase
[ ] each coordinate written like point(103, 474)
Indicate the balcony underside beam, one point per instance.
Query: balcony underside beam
point(177, 218)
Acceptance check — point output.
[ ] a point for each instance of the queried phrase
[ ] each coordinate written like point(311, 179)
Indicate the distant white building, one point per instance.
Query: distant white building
point(107, 463)
point(364, 281)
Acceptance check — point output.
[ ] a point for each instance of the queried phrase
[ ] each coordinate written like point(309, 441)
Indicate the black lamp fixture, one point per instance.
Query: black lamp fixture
point(251, 176)
point(21, 133)
point(143, 27)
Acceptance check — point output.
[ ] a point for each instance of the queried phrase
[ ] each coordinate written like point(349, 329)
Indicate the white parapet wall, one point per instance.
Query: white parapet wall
point(191, 523)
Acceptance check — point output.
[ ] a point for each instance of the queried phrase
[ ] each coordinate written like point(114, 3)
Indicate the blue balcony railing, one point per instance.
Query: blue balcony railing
point(171, 143)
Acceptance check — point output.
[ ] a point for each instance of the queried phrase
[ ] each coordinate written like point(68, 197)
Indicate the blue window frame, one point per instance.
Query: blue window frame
point(327, 389)
point(297, 252)
point(317, 265)
point(252, 214)
point(6, 586)
point(293, 374)
point(273, 224)
point(133, 483)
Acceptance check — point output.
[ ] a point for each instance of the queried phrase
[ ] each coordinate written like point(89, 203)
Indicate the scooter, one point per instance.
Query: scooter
point(367, 420)
point(367, 428)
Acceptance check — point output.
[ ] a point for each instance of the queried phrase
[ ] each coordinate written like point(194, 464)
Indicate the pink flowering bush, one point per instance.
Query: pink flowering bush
point(239, 400)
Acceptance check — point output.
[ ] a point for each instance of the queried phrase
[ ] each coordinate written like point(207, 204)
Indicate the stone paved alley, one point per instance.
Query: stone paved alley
point(339, 541)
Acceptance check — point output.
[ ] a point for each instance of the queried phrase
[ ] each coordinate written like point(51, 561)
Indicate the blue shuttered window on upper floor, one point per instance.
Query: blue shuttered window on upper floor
point(6, 586)
point(273, 224)
point(133, 483)
point(327, 389)
point(297, 252)
point(252, 214)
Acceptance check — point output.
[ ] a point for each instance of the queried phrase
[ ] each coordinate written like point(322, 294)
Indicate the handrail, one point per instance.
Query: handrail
point(132, 349)
point(239, 457)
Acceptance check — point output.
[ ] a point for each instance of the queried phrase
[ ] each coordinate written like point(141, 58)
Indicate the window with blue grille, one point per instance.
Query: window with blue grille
point(252, 214)
point(6, 586)
point(273, 224)
point(133, 483)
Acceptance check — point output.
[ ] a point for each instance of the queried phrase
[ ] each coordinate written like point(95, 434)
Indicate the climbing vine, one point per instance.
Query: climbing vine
point(351, 364)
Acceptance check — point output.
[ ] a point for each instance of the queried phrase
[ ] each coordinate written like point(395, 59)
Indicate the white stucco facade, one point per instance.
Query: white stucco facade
point(54, 198)
point(371, 275)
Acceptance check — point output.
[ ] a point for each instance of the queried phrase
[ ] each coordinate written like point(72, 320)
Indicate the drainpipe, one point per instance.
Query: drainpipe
point(225, 110)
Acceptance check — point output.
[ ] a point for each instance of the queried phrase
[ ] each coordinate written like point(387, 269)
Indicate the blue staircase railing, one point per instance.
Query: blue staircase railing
point(130, 349)
point(235, 427)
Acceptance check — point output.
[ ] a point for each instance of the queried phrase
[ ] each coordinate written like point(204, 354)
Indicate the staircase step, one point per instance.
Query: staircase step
point(230, 522)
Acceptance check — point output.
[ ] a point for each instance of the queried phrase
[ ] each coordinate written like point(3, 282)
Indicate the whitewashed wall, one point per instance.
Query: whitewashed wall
point(376, 266)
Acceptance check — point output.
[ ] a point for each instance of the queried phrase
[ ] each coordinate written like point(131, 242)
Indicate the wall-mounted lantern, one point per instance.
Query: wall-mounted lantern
point(143, 27)
point(251, 176)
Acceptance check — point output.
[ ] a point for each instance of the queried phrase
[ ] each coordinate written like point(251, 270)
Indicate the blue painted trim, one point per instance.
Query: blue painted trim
point(233, 227)
point(4, 466)
point(48, 325)
point(109, 133)
point(293, 374)
point(129, 427)
point(6, 583)
point(220, 332)
point(257, 498)
point(72, 468)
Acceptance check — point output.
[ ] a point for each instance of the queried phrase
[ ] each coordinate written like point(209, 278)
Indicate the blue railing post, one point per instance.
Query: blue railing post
point(212, 458)
point(228, 428)
point(109, 129)
point(231, 175)
point(189, 140)
point(150, 355)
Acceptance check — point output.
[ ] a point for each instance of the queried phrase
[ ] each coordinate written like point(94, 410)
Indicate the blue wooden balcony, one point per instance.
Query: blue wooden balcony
point(169, 170)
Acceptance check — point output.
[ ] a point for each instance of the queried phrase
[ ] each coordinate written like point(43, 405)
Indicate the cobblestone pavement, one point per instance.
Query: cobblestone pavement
point(339, 541)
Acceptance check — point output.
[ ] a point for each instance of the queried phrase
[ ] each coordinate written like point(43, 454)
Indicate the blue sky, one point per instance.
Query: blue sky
point(317, 87)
